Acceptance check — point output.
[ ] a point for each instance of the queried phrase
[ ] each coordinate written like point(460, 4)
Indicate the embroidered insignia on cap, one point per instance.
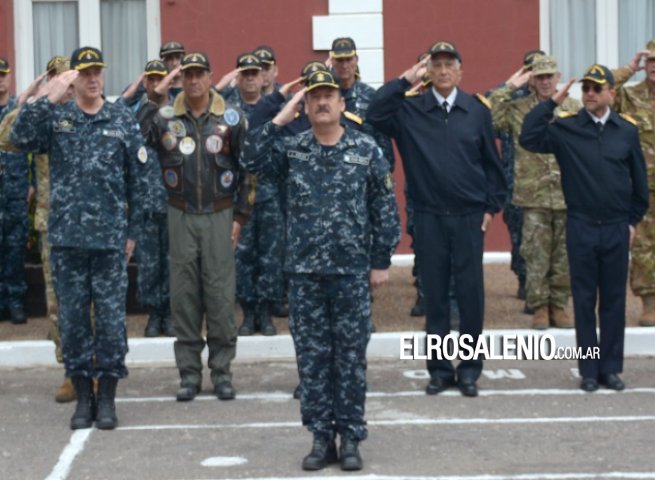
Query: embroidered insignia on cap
point(231, 117)
point(187, 145)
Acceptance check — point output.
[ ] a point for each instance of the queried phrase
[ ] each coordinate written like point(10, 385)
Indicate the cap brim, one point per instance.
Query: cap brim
point(269, 61)
point(163, 54)
point(244, 69)
point(324, 84)
point(549, 71)
point(84, 66)
point(595, 80)
point(149, 74)
point(7, 70)
point(447, 52)
point(194, 65)
point(351, 53)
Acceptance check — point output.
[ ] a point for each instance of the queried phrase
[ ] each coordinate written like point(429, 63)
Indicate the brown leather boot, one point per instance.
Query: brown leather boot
point(647, 318)
point(66, 392)
point(559, 318)
point(540, 318)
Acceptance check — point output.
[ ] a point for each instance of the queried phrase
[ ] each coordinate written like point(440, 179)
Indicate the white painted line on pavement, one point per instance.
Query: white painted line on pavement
point(409, 421)
point(72, 450)
point(281, 396)
point(525, 476)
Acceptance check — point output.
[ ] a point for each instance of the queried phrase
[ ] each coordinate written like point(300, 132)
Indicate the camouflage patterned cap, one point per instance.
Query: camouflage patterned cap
point(321, 79)
point(155, 67)
point(598, 74)
point(543, 65)
point(529, 57)
point(86, 57)
point(195, 60)
point(265, 54)
point(650, 46)
point(248, 61)
point(311, 67)
point(4, 66)
point(170, 48)
point(58, 64)
point(343, 47)
point(444, 47)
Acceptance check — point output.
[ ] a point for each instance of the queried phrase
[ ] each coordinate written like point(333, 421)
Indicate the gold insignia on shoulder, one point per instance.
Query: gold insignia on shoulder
point(412, 94)
point(352, 117)
point(566, 114)
point(628, 118)
point(483, 100)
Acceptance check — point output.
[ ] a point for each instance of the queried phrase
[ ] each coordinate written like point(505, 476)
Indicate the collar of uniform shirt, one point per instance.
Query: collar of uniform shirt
point(602, 119)
point(451, 98)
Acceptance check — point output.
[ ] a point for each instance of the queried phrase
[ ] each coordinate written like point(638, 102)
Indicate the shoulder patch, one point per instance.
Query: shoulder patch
point(483, 100)
point(628, 118)
point(352, 117)
point(566, 114)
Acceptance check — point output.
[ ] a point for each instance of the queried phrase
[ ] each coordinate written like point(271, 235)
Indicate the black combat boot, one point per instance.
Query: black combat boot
point(349, 453)
point(265, 320)
point(106, 417)
point(153, 327)
point(521, 293)
point(324, 451)
point(248, 325)
point(85, 411)
point(167, 329)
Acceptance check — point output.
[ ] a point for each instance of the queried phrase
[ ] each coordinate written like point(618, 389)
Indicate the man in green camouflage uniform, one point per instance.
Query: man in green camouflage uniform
point(538, 190)
point(638, 101)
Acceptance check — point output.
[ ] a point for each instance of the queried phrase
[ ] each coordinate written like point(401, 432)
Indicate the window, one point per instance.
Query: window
point(55, 31)
point(582, 32)
point(124, 44)
point(127, 31)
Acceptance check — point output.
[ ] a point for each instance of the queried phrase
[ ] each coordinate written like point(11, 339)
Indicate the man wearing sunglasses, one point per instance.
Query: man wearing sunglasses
point(606, 193)
point(638, 101)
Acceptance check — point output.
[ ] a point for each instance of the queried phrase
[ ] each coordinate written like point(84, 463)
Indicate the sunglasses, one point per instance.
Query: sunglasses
point(595, 87)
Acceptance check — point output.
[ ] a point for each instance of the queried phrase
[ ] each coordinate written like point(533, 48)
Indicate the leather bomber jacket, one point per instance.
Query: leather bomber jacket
point(200, 156)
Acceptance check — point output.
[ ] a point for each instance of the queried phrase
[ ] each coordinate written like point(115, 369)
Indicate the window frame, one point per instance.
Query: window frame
point(88, 15)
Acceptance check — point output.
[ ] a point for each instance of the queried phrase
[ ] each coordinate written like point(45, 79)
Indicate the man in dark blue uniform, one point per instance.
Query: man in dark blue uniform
point(13, 222)
point(96, 159)
point(342, 227)
point(456, 182)
point(606, 192)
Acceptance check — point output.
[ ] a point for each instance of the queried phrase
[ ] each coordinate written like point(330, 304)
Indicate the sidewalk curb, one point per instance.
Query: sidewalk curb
point(639, 341)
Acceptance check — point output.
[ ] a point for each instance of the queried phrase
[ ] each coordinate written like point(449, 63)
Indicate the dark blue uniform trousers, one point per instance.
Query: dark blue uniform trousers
point(83, 277)
point(329, 320)
point(598, 263)
point(451, 244)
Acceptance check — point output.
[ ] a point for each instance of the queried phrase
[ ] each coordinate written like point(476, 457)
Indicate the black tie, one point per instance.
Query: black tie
point(444, 105)
point(599, 126)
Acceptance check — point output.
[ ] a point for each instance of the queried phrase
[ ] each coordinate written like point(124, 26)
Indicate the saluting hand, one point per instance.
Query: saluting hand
point(134, 86)
point(288, 113)
point(58, 86)
point(636, 63)
point(31, 89)
point(416, 71)
point(167, 81)
point(560, 95)
point(227, 79)
point(129, 248)
point(633, 234)
point(236, 231)
point(519, 78)
point(287, 87)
